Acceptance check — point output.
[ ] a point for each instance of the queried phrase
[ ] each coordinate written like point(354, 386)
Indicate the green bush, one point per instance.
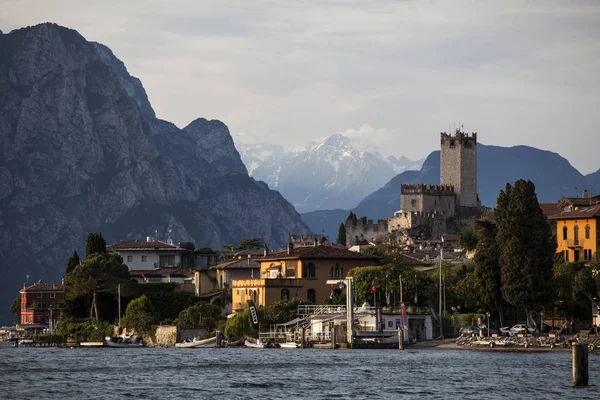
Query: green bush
point(140, 315)
point(85, 330)
point(201, 315)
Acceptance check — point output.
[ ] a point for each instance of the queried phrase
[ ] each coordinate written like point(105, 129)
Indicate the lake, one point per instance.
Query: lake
point(55, 373)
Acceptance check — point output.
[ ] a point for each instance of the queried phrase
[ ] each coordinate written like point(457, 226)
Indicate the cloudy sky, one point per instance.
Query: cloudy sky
point(390, 74)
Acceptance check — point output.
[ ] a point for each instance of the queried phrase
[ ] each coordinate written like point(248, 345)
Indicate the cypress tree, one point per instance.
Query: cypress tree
point(94, 243)
point(73, 262)
point(526, 247)
point(341, 239)
point(487, 269)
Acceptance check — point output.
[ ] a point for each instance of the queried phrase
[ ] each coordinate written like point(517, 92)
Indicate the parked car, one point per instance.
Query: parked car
point(472, 330)
point(522, 328)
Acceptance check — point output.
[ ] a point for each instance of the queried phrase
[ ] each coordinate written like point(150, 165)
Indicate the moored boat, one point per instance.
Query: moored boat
point(197, 343)
point(255, 344)
point(26, 341)
point(289, 345)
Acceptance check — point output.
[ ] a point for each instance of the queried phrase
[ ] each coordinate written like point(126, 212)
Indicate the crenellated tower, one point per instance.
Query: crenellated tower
point(458, 166)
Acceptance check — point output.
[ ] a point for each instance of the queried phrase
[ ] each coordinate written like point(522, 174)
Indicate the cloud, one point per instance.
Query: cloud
point(398, 72)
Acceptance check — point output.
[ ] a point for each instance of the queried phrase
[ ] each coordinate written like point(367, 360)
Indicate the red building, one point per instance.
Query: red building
point(41, 303)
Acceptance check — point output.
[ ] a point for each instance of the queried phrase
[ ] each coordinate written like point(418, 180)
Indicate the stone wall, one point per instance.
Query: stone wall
point(369, 231)
point(168, 335)
point(428, 198)
point(418, 224)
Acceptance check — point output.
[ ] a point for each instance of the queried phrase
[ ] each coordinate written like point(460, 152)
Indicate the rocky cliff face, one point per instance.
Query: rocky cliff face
point(82, 150)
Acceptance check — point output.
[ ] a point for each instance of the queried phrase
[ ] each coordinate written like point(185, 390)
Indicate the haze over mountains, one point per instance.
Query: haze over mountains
point(552, 174)
point(327, 174)
point(82, 151)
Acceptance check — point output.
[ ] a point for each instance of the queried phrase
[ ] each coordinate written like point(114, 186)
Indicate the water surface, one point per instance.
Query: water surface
point(54, 373)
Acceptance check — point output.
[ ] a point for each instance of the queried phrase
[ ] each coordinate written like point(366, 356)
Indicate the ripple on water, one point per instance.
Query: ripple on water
point(51, 373)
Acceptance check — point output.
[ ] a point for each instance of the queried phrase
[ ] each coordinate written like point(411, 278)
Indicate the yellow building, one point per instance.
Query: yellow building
point(300, 272)
point(577, 229)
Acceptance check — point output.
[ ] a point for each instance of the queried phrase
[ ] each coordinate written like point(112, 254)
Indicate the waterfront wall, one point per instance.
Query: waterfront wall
point(168, 335)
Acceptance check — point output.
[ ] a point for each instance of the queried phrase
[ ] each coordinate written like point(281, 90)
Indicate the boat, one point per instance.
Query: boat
point(255, 344)
point(289, 345)
point(197, 343)
point(26, 341)
point(124, 341)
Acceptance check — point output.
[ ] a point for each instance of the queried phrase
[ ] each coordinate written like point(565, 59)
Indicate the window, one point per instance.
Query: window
point(129, 258)
point(285, 294)
point(52, 295)
point(587, 231)
point(144, 258)
point(413, 202)
point(567, 255)
point(166, 261)
point(565, 231)
point(576, 235)
point(576, 255)
point(290, 272)
point(309, 270)
point(312, 296)
point(390, 324)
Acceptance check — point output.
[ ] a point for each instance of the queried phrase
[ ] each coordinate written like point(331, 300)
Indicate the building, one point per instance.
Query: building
point(298, 272)
point(429, 211)
point(577, 229)
point(183, 277)
point(152, 254)
point(41, 303)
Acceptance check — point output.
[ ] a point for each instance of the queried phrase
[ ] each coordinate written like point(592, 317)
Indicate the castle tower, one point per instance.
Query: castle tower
point(458, 166)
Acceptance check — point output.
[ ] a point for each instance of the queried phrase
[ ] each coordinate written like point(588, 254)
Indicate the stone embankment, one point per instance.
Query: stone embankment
point(522, 342)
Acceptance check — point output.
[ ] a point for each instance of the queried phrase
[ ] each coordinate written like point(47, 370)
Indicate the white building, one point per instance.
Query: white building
point(151, 254)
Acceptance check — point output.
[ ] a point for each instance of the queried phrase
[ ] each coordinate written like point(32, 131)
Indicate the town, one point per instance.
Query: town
point(523, 274)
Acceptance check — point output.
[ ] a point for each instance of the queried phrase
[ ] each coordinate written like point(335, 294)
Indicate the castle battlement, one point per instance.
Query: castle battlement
point(462, 138)
point(418, 214)
point(437, 190)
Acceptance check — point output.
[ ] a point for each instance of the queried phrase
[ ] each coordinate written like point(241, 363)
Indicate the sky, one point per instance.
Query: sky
point(389, 74)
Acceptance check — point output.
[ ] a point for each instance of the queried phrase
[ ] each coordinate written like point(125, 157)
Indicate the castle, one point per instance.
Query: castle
point(429, 211)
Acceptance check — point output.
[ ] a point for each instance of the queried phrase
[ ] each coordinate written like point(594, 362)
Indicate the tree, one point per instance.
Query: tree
point(140, 315)
point(341, 239)
point(487, 269)
point(252, 243)
point(100, 272)
point(15, 308)
point(201, 315)
point(73, 262)
point(283, 311)
point(468, 237)
point(94, 243)
point(363, 279)
point(241, 325)
point(526, 247)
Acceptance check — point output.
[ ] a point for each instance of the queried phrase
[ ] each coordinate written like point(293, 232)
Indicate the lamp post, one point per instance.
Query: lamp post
point(51, 309)
point(488, 323)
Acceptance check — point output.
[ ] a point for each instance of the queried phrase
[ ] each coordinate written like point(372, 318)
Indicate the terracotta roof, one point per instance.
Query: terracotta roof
point(579, 201)
point(163, 272)
point(549, 208)
point(252, 252)
point(41, 286)
point(237, 264)
point(580, 213)
point(141, 245)
point(319, 252)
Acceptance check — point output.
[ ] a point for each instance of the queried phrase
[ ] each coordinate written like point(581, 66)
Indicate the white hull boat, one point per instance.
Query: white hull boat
point(289, 345)
point(196, 343)
point(254, 344)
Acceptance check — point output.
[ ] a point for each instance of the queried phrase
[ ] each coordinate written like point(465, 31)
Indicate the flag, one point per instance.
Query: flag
point(433, 313)
point(373, 287)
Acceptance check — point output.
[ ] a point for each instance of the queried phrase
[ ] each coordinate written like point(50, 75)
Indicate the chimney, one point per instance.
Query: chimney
point(248, 259)
point(585, 194)
point(290, 247)
point(315, 242)
point(266, 251)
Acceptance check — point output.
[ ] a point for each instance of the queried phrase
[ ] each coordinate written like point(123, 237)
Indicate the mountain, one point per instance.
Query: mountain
point(327, 174)
point(82, 150)
point(553, 176)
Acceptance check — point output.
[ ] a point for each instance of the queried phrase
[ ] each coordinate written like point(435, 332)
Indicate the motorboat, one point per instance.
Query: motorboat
point(255, 344)
point(26, 341)
point(198, 343)
point(124, 341)
point(289, 345)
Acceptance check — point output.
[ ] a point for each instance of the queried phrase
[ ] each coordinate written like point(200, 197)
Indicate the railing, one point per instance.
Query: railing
point(575, 243)
point(315, 309)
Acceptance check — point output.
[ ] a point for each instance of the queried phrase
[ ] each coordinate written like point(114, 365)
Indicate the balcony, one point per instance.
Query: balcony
point(575, 243)
point(276, 282)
